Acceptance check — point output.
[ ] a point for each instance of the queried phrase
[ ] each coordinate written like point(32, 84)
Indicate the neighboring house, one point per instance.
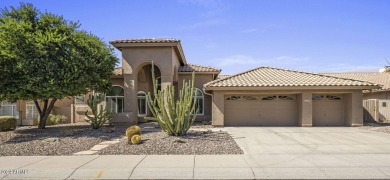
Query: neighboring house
point(376, 102)
point(264, 96)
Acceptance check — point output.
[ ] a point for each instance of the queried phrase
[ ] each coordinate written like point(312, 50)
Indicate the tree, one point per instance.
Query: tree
point(44, 57)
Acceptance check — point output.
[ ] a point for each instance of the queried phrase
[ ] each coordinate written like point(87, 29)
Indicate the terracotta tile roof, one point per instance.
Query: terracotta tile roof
point(275, 77)
point(352, 75)
point(198, 68)
point(118, 71)
point(119, 44)
point(146, 40)
point(373, 77)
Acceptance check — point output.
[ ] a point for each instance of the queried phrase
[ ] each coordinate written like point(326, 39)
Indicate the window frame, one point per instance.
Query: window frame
point(116, 101)
point(32, 106)
point(145, 97)
point(197, 100)
point(14, 111)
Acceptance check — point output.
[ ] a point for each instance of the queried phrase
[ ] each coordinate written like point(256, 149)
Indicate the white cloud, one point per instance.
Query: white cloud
point(236, 60)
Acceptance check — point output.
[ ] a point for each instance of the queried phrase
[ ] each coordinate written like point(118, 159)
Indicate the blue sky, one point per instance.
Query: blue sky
point(237, 35)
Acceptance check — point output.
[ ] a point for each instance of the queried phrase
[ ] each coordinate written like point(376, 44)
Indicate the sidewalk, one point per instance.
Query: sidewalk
point(262, 166)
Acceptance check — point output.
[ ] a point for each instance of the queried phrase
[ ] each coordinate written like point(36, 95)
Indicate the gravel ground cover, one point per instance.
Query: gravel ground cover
point(379, 127)
point(54, 140)
point(194, 142)
point(67, 139)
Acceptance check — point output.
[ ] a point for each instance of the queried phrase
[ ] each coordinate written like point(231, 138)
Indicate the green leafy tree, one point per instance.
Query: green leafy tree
point(44, 57)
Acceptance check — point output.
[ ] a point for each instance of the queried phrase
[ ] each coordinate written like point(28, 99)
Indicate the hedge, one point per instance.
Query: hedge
point(7, 123)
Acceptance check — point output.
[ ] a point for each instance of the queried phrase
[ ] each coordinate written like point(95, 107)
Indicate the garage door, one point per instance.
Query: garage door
point(328, 110)
point(253, 110)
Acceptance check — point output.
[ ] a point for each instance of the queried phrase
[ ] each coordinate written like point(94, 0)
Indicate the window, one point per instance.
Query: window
point(337, 98)
point(31, 110)
point(198, 95)
point(269, 98)
point(287, 98)
point(142, 104)
point(79, 99)
point(233, 98)
point(115, 100)
point(317, 97)
point(249, 98)
point(8, 109)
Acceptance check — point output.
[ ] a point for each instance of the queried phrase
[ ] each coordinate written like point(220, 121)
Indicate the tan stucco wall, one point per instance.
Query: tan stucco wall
point(200, 80)
point(353, 104)
point(377, 95)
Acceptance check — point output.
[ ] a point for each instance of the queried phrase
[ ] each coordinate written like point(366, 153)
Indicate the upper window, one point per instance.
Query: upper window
point(142, 104)
point(31, 110)
point(115, 100)
point(198, 95)
point(8, 109)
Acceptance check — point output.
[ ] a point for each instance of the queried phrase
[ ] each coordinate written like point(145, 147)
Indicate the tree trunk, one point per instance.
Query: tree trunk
point(45, 112)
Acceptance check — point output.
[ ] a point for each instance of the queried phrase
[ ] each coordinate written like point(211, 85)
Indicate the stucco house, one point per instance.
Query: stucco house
point(264, 96)
point(376, 102)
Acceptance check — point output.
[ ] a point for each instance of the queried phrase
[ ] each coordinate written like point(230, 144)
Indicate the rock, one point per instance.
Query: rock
point(51, 140)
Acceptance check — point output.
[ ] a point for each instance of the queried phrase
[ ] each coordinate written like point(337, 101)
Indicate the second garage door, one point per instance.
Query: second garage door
point(328, 110)
point(264, 110)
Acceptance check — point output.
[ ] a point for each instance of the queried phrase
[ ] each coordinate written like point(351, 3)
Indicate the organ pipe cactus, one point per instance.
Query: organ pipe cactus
point(100, 115)
point(174, 116)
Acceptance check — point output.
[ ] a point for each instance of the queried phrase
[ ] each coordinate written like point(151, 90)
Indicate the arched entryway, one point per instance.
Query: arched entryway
point(145, 85)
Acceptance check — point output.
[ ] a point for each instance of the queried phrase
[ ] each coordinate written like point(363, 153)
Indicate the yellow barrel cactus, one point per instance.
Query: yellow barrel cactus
point(136, 139)
point(131, 131)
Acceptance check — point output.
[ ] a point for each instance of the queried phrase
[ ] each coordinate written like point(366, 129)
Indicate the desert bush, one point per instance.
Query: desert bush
point(7, 123)
point(55, 119)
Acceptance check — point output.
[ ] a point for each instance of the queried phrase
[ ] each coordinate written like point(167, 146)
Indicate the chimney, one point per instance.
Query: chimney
point(385, 69)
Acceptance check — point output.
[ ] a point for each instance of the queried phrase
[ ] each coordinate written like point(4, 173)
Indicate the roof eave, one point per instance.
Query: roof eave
point(291, 88)
point(176, 45)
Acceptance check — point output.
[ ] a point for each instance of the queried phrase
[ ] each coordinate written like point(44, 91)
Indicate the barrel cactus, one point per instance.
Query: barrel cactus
point(131, 131)
point(136, 139)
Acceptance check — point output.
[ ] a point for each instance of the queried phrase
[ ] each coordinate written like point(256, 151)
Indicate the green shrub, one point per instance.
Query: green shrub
point(54, 119)
point(7, 123)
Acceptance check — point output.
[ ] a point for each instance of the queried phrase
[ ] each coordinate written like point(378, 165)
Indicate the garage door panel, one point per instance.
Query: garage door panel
point(328, 111)
point(274, 112)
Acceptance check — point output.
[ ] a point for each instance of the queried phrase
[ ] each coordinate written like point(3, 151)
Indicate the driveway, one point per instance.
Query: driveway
point(310, 140)
point(314, 152)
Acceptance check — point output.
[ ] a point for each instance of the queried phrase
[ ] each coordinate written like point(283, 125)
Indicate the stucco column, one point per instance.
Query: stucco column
point(130, 98)
point(166, 79)
point(218, 109)
point(354, 109)
point(305, 109)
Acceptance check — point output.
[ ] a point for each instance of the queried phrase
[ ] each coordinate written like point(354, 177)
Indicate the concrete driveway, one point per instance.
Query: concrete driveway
point(314, 152)
point(310, 140)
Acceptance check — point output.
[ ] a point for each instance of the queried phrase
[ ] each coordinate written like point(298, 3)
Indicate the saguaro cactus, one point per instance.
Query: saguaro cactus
point(174, 116)
point(100, 115)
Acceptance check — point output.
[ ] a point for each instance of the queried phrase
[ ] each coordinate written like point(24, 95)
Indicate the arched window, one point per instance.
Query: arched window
point(142, 104)
point(31, 110)
point(8, 109)
point(198, 95)
point(115, 100)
